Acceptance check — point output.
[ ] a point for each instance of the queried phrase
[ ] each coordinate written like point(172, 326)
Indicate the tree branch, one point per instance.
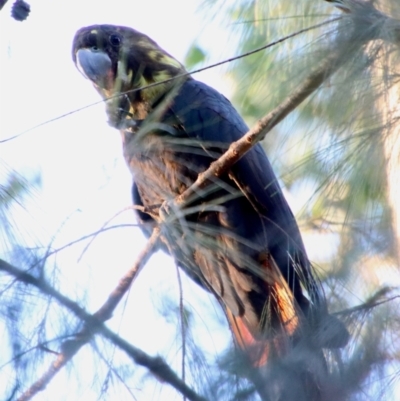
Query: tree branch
point(368, 24)
point(95, 324)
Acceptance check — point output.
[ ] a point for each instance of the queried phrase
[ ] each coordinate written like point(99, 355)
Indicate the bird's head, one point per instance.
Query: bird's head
point(119, 59)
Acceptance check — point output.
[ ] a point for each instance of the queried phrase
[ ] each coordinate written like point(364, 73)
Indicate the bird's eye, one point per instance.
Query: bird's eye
point(115, 40)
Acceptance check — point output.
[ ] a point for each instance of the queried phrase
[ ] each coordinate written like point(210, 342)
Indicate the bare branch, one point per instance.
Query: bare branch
point(95, 324)
point(92, 322)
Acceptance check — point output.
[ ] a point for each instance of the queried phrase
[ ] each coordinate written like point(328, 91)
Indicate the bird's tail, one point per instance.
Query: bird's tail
point(269, 342)
point(289, 323)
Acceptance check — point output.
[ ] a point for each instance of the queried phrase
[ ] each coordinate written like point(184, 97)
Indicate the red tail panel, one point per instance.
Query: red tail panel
point(272, 341)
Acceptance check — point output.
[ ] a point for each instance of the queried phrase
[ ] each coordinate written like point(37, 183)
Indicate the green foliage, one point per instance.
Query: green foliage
point(330, 154)
point(194, 57)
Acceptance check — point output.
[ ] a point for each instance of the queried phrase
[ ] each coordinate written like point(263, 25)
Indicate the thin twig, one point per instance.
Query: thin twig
point(70, 347)
point(360, 13)
point(229, 60)
point(237, 149)
point(367, 17)
point(95, 324)
point(134, 207)
point(379, 298)
point(84, 238)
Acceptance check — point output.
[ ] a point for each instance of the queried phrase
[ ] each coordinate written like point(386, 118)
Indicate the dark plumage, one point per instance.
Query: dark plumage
point(238, 238)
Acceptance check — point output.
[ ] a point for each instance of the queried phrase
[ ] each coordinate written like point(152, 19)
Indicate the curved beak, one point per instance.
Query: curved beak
point(95, 65)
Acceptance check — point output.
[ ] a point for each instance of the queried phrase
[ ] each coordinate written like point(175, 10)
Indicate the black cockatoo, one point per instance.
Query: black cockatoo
point(236, 238)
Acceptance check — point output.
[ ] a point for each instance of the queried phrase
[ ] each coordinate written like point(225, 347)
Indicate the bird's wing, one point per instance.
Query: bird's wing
point(208, 116)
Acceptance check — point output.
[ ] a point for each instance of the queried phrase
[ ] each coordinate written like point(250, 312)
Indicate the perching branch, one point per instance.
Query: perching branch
point(237, 149)
point(368, 24)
